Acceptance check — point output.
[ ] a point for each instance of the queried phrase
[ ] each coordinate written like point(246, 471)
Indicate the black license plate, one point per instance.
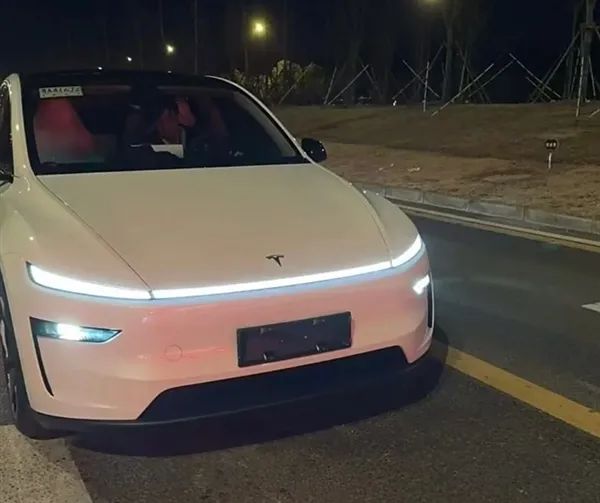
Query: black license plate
point(283, 341)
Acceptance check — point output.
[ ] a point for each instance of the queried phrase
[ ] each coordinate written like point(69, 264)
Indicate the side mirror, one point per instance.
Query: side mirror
point(315, 149)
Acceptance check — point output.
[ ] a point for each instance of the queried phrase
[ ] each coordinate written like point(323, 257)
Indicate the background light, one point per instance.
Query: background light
point(170, 49)
point(129, 59)
point(259, 28)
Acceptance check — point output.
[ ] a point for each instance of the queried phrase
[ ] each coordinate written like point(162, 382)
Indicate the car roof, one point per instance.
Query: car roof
point(127, 77)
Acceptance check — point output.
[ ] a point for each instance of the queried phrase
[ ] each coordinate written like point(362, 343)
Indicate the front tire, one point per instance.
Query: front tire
point(22, 413)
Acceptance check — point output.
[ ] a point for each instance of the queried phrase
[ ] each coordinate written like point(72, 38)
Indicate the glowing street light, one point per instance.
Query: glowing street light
point(170, 49)
point(129, 59)
point(259, 28)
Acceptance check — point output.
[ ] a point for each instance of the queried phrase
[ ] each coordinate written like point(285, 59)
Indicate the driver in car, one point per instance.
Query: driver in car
point(157, 119)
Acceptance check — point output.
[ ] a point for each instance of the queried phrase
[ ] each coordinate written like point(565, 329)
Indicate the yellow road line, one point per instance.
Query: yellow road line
point(532, 234)
point(553, 404)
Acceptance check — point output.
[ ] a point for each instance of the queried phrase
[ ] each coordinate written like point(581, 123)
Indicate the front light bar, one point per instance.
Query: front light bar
point(58, 282)
point(64, 284)
point(411, 252)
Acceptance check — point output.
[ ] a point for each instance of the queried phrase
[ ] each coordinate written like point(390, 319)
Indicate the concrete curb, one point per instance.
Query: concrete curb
point(515, 213)
point(450, 202)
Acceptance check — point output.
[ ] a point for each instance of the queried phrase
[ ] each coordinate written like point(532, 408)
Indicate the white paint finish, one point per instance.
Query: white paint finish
point(397, 229)
point(190, 228)
point(118, 379)
point(43, 472)
point(592, 307)
point(203, 227)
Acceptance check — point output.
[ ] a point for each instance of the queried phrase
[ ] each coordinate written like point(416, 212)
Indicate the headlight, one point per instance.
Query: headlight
point(68, 332)
point(421, 285)
point(62, 283)
point(411, 252)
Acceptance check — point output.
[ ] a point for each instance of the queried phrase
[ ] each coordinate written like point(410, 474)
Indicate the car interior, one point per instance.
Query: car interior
point(146, 128)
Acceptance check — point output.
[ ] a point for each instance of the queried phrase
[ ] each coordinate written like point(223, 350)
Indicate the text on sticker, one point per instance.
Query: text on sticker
point(60, 92)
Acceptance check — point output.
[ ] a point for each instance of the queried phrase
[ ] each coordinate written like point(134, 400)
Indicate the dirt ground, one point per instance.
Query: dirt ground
point(493, 152)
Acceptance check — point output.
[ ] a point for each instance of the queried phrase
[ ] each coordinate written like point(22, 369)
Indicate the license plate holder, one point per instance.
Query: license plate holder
point(294, 339)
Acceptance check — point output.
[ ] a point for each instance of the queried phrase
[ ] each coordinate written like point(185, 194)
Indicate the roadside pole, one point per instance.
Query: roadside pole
point(329, 89)
point(447, 104)
point(426, 87)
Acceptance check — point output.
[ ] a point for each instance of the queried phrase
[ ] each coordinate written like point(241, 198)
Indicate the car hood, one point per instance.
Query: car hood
point(197, 227)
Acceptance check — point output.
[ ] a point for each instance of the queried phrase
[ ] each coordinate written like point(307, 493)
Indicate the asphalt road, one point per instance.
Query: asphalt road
point(511, 302)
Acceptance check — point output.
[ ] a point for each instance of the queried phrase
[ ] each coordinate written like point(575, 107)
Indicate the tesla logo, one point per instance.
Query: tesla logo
point(276, 258)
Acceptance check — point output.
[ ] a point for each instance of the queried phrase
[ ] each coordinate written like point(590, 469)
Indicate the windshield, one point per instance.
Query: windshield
point(79, 129)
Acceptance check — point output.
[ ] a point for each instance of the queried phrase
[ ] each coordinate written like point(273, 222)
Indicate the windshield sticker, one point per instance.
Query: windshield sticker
point(60, 92)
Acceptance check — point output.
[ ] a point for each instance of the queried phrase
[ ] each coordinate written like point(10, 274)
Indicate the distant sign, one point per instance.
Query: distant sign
point(60, 92)
point(551, 146)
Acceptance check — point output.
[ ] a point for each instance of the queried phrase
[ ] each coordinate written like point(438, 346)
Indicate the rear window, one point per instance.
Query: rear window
point(78, 129)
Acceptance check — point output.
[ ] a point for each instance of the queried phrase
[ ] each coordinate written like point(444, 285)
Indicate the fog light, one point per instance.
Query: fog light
point(68, 332)
point(421, 285)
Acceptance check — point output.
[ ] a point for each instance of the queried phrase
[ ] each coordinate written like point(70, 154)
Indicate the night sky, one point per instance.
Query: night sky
point(39, 34)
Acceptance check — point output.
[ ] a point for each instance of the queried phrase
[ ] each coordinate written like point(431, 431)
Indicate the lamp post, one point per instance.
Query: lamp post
point(427, 13)
point(258, 30)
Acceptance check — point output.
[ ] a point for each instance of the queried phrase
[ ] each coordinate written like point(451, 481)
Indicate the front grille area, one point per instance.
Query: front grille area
point(232, 395)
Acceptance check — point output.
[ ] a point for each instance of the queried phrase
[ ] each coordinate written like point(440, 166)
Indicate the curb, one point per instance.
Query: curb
point(516, 213)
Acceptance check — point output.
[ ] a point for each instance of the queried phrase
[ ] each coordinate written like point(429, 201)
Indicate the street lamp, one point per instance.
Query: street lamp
point(259, 28)
point(170, 49)
point(129, 59)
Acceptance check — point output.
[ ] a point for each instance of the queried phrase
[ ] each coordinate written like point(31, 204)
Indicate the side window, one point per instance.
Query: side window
point(6, 152)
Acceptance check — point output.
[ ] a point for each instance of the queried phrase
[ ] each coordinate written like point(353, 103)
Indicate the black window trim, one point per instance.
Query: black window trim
point(30, 83)
point(6, 102)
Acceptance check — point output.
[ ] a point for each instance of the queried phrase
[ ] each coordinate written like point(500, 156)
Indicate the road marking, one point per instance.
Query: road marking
point(532, 234)
point(44, 471)
point(553, 404)
point(592, 307)
point(41, 471)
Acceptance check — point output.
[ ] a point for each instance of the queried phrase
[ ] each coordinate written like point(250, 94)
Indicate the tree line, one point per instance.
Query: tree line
point(211, 36)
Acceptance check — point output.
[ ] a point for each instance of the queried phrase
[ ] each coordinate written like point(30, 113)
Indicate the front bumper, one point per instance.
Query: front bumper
point(173, 345)
point(231, 396)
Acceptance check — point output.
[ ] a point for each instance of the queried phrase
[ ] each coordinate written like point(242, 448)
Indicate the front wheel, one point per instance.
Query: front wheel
point(22, 413)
